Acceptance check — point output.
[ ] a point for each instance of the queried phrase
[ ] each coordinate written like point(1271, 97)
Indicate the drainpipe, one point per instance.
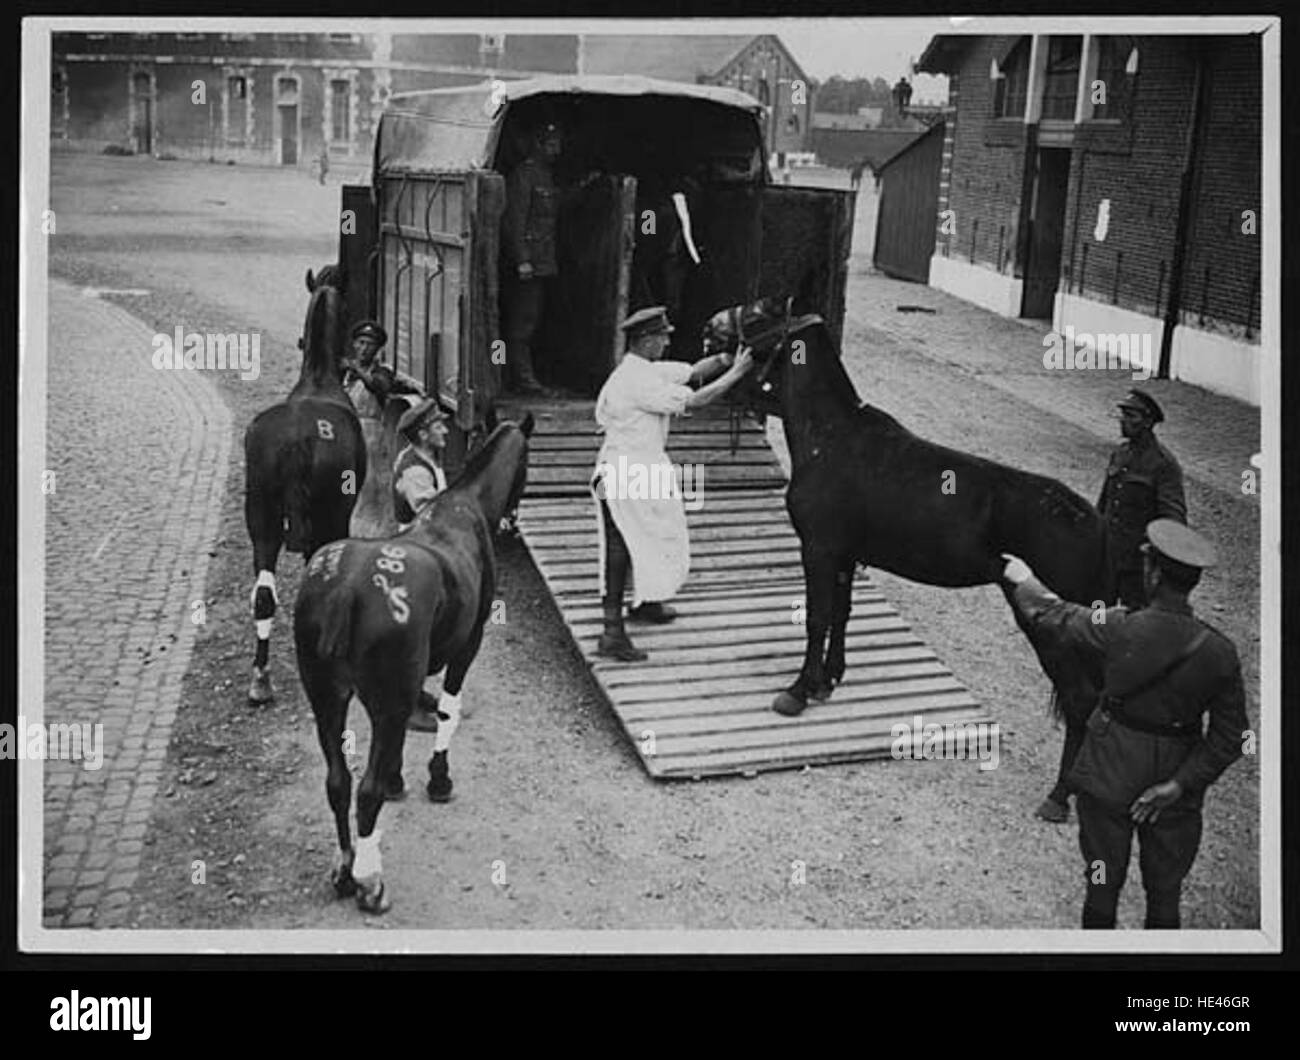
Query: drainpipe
point(1183, 225)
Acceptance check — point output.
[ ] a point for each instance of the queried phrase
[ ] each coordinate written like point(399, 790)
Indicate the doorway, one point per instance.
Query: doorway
point(1046, 228)
point(288, 134)
point(142, 113)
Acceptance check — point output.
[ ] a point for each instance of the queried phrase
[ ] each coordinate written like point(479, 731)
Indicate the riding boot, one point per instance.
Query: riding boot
point(614, 642)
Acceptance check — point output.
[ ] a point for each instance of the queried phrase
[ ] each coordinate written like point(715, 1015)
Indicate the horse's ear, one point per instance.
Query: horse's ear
point(526, 425)
point(490, 418)
point(311, 282)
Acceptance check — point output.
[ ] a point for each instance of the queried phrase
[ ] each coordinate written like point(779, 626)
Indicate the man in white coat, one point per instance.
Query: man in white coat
point(642, 519)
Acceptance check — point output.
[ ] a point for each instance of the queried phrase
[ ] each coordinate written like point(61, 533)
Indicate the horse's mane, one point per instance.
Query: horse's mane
point(479, 459)
point(833, 376)
point(322, 332)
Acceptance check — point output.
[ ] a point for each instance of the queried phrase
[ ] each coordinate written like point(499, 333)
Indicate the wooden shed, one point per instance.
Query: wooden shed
point(907, 218)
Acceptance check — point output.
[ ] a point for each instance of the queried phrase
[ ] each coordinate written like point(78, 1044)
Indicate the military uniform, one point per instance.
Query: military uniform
point(1164, 669)
point(1143, 482)
point(532, 213)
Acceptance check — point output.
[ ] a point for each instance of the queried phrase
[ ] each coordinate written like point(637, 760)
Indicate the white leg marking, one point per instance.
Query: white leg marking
point(450, 706)
point(368, 861)
point(264, 628)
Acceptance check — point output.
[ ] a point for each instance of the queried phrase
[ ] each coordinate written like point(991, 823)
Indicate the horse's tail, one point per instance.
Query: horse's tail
point(297, 471)
point(335, 637)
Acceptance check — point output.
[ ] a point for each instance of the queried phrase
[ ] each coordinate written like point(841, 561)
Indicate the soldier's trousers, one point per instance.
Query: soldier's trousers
point(523, 303)
point(1167, 848)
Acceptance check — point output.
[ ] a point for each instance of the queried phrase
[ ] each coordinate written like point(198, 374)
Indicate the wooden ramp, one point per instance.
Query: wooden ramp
point(701, 704)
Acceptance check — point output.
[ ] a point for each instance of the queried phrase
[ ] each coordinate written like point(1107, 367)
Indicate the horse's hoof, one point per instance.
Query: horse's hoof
point(439, 786)
point(1052, 811)
point(789, 705)
point(343, 882)
point(259, 690)
point(371, 897)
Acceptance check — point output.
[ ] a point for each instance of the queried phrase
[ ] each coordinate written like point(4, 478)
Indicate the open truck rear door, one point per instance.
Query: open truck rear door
point(806, 242)
point(436, 281)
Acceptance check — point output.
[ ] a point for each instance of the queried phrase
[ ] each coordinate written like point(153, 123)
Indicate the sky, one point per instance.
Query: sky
point(865, 48)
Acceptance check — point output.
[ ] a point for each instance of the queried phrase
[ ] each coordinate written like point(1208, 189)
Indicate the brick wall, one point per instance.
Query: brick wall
point(1137, 167)
point(986, 169)
point(1221, 285)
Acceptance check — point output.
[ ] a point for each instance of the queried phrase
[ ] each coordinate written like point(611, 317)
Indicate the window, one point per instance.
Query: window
point(236, 108)
point(340, 111)
point(343, 38)
point(492, 42)
point(1013, 83)
point(1111, 97)
point(286, 90)
point(1061, 85)
point(761, 91)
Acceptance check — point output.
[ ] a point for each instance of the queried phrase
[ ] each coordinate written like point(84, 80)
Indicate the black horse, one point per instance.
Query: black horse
point(305, 465)
point(865, 490)
point(375, 617)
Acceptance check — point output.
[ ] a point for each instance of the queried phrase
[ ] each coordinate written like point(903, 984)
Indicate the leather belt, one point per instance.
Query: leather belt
point(1181, 730)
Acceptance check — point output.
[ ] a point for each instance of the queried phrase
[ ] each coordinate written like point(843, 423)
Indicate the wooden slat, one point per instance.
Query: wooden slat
point(706, 690)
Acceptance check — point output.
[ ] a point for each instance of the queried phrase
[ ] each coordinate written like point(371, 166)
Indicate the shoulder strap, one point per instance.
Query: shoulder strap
point(1172, 665)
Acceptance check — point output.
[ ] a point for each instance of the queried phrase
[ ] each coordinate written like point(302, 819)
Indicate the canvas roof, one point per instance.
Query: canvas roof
point(457, 128)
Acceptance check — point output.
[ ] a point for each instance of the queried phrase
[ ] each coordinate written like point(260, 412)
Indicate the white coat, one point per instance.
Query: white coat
point(635, 478)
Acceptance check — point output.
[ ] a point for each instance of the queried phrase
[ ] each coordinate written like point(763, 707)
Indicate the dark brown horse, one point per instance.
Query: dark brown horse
point(865, 490)
point(305, 465)
point(375, 617)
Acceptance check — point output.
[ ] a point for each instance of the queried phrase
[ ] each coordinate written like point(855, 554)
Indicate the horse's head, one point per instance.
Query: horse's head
point(324, 335)
point(763, 326)
point(500, 467)
point(329, 276)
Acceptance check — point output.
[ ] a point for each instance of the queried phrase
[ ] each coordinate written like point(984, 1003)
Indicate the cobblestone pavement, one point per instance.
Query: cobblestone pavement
point(140, 457)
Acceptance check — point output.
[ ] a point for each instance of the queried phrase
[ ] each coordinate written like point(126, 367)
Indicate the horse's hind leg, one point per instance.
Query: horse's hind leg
point(329, 702)
point(265, 521)
point(388, 712)
point(449, 710)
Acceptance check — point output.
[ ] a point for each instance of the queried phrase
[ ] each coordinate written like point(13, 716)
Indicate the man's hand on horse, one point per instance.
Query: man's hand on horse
point(743, 361)
point(1016, 570)
point(525, 270)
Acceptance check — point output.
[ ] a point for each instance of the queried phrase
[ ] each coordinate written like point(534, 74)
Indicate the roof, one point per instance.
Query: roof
point(940, 55)
point(457, 128)
point(934, 130)
point(845, 148)
point(673, 57)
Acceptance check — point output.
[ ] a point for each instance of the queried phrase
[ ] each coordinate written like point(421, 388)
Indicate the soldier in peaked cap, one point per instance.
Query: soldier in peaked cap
point(643, 530)
point(418, 476)
point(1145, 762)
point(368, 382)
point(1143, 482)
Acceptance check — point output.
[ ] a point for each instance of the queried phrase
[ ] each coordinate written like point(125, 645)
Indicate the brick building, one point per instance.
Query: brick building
point(278, 98)
point(270, 98)
point(1111, 184)
point(760, 65)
